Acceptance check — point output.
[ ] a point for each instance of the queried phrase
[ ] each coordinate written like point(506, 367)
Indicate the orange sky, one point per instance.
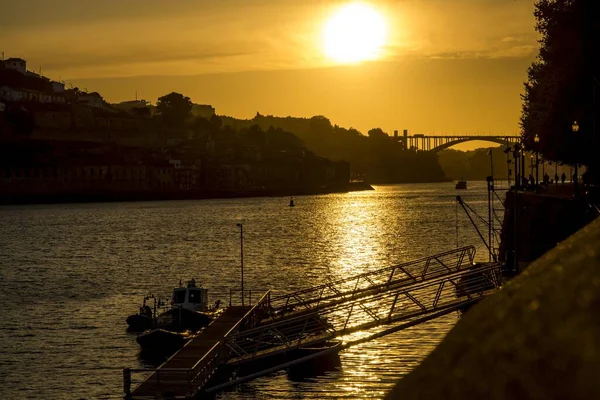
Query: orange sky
point(449, 66)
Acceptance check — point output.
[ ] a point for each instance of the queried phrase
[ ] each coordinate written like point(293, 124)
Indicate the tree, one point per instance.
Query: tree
point(378, 133)
point(562, 82)
point(142, 112)
point(174, 108)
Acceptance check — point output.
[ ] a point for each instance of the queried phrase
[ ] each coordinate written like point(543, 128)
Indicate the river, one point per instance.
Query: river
point(70, 274)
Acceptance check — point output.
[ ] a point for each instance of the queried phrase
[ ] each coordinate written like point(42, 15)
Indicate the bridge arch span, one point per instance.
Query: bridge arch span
point(469, 139)
point(437, 143)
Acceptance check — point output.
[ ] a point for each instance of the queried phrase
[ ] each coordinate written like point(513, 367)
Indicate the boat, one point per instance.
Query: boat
point(188, 311)
point(143, 320)
point(461, 185)
point(162, 341)
point(292, 202)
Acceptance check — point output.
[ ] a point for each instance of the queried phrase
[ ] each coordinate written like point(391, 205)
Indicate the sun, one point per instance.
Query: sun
point(356, 32)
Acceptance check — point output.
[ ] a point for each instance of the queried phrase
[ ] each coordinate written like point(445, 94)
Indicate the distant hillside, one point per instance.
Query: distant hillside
point(375, 156)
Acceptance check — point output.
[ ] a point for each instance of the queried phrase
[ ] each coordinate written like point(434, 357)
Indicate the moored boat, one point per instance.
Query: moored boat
point(461, 185)
point(144, 319)
point(161, 341)
point(189, 310)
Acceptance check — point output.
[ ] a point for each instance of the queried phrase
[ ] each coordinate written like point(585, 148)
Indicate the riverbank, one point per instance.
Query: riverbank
point(91, 197)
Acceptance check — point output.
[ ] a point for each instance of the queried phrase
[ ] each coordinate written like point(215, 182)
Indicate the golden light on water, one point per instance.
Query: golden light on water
point(355, 32)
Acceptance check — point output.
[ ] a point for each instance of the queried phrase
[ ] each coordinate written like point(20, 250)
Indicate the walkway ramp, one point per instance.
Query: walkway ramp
point(398, 296)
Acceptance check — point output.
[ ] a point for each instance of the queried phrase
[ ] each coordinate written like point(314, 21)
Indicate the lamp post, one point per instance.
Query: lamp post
point(531, 167)
point(515, 260)
point(536, 139)
point(242, 257)
point(516, 157)
point(506, 151)
point(575, 129)
point(518, 171)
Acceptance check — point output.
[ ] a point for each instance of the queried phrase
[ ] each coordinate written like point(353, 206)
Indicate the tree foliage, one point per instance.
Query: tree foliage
point(562, 81)
point(174, 108)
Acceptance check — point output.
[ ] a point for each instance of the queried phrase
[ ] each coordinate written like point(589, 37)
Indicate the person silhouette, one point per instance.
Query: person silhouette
point(563, 178)
point(531, 180)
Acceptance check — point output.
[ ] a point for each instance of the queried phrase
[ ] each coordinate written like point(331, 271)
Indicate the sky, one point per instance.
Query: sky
point(447, 66)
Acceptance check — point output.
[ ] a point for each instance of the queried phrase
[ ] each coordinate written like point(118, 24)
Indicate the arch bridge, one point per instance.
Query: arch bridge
point(437, 143)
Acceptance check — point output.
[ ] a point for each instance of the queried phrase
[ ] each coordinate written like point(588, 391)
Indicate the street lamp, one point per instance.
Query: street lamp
point(518, 171)
point(575, 129)
point(242, 257)
point(508, 171)
point(536, 139)
point(531, 168)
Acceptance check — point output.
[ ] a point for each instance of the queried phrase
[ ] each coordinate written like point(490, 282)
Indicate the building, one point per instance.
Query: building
point(17, 64)
point(14, 94)
point(58, 87)
point(92, 99)
point(50, 115)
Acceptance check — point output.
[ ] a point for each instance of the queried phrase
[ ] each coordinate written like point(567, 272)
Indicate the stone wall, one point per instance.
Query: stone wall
point(541, 223)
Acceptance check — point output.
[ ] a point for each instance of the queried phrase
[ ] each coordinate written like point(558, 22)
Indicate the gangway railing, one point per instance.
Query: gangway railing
point(408, 272)
point(399, 302)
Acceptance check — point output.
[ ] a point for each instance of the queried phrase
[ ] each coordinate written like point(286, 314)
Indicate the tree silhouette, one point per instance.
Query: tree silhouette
point(174, 108)
point(378, 133)
point(562, 82)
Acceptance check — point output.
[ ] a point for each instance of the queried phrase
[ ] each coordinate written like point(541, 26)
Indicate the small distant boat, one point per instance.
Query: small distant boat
point(292, 202)
point(461, 185)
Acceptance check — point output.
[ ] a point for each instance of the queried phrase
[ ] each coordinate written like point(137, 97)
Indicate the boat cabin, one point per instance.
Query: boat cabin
point(190, 297)
point(461, 184)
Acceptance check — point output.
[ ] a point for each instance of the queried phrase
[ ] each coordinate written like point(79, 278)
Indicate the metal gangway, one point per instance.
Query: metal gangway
point(399, 296)
point(354, 309)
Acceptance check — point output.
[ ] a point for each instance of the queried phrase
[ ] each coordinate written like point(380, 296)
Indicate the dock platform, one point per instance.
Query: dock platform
point(190, 368)
point(375, 303)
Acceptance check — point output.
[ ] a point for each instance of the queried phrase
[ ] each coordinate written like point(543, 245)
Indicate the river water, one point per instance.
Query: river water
point(70, 274)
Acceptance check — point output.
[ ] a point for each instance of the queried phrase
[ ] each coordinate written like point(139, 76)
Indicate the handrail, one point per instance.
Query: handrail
point(428, 273)
point(374, 292)
point(380, 271)
point(267, 295)
point(211, 355)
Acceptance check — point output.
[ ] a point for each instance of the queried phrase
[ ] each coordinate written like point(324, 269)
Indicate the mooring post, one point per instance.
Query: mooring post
point(127, 382)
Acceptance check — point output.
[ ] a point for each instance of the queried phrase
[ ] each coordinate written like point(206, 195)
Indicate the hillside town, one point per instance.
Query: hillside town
point(60, 143)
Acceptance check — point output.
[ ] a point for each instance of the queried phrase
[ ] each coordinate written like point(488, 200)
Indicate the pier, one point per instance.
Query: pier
point(375, 303)
point(188, 370)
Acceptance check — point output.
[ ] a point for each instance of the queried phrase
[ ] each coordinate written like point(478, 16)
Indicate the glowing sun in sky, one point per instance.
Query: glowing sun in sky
point(355, 32)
